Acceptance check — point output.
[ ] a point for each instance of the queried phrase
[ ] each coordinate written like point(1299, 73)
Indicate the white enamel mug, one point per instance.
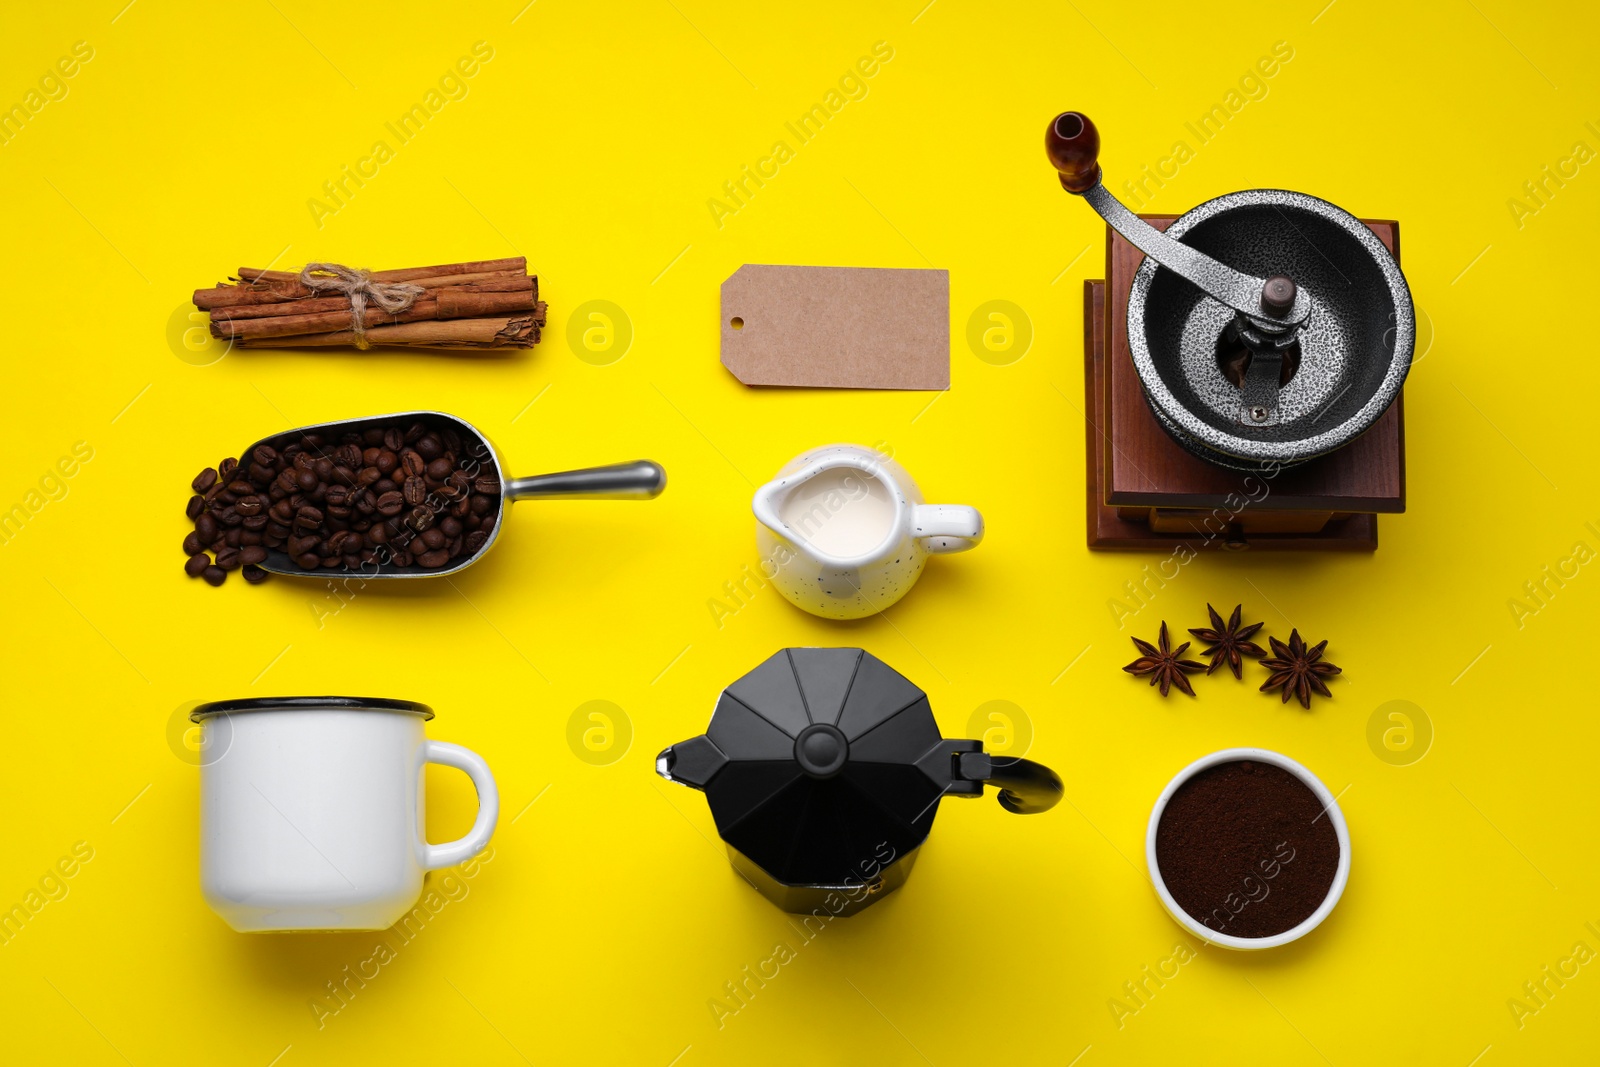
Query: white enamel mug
point(844, 533)
point(311, 811)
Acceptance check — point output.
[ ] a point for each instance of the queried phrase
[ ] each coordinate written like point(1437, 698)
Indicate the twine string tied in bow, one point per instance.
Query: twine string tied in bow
point(389, 297)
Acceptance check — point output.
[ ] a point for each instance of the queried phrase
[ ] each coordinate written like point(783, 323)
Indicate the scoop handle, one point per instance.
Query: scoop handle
point(639, 480)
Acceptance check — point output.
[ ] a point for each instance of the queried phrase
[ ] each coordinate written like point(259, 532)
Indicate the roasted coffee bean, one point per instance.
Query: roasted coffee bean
point(439, 469)
point(277, 529)
point(196, 505)
point(229, 517)
point(451, 439)
point(433, 539)
point(379, 534)
point(416, 491)
point(488, 523)
point(471, 521)
point(342, 475)
point(253, 574)
point(262, 475)
point(437, 558)
point(228, 559)
point(369, 476)
point(421, 518)
point(450, 527)
point(454, 547)
point(252, 554)
point(372, 435)
point(482, 505)
point(347, 456)
point(393, 439)
point(196, 565)
point(304, 461)
point(226, 468)
point(401, 558)
point(430, 446)
point(306, 480)
point(337, 495)
point(214, 575)
point(366, 503)
point(250, 505)
point(308, 518)
point(231, 538)
point(206, 527)
point(412, 463)
point(390, 504)
point(386, 462)
point(415, 432)
point(486, 485)
point(308, 561)
point(344, 542)
point(249, 537)
point(462, 506)
point(193, 544)
point(204, 480)
point(265, 455)
point(289, 480)
point(254, 522)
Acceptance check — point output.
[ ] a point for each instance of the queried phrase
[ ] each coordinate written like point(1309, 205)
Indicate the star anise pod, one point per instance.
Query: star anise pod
point(1163, 664)
point(1230, 641)
point(1298, 670)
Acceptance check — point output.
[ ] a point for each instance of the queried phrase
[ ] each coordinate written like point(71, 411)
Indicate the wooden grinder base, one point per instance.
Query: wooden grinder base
point(1147, 493)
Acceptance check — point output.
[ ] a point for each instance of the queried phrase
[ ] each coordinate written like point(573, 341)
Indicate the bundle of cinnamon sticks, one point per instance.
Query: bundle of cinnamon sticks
point(491, 303)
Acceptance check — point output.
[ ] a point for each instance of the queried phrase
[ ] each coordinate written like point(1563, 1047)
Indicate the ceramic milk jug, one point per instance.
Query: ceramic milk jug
point(844, 532)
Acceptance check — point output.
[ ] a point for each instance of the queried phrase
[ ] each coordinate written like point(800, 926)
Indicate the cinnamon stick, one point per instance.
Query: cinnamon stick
point(404, 274)
point(497, 332)
point(453, 303)
point(277, 291)
point(312, 305)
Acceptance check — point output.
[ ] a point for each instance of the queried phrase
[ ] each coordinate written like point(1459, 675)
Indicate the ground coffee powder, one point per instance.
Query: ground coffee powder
point(1246, 849)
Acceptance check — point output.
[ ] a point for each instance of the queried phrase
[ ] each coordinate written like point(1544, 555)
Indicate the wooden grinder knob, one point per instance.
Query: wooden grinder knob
point(1073, 145)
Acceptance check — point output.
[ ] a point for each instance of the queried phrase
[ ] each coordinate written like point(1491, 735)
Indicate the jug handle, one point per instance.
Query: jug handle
point(1026, 787)
point(947, 527)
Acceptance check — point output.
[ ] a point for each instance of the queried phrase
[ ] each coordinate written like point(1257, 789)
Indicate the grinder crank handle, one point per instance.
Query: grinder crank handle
point(1273, 305)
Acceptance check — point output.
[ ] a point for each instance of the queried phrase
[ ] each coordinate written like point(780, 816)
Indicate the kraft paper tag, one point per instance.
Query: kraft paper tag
point(837, 327)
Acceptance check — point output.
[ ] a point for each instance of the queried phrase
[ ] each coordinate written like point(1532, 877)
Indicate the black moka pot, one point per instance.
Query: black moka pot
point(824, 769)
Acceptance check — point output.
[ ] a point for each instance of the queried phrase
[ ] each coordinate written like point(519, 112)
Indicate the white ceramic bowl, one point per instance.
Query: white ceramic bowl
point(1329, 804)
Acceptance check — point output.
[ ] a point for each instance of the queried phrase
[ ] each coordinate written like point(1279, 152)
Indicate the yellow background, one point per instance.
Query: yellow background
point(608, 918)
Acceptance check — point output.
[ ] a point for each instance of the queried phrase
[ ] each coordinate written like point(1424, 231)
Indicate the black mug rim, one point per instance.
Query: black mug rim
point(229, 707)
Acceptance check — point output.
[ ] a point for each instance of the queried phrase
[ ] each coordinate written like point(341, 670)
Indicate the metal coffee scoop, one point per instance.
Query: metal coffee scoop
point(639, 480)
point(1268, 312)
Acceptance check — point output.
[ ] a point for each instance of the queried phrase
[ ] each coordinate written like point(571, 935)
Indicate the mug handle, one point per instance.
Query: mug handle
point(463, 759)
point(946, 527)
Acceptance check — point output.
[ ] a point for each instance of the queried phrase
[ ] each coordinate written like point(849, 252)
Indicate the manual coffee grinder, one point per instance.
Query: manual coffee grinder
point(1242, 368)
